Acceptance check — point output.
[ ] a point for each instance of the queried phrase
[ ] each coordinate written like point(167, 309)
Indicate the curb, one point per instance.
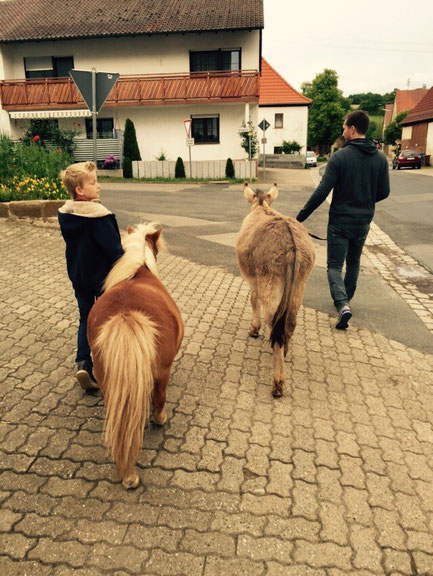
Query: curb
point(42, 209)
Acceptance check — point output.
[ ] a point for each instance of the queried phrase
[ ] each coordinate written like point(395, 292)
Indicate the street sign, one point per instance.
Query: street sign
point(264, 125)
point(104, 84)
point(190, 142)
point(241, 130)
point(187, 123)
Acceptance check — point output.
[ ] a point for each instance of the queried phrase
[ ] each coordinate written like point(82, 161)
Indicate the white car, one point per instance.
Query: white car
point(311, 158)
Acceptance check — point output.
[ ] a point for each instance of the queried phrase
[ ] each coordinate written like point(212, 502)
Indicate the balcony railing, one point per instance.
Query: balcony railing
point(144, 90)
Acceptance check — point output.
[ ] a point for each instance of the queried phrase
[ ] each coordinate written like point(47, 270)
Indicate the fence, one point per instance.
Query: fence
point(212, 169)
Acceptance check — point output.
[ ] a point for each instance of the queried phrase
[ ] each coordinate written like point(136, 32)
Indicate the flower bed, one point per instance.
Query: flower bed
point(32, 188)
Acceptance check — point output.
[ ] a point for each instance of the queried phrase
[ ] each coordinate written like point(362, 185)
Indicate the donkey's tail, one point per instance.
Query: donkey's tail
point(284, 320)
point(126, 346)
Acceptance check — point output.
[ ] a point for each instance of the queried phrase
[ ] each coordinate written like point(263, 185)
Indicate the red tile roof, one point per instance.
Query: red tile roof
point(275, 90)
point(54, 19)
point(422, 112)
point(408, 99)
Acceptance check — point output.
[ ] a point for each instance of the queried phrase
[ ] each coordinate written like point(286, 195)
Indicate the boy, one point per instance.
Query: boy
point(93, 245)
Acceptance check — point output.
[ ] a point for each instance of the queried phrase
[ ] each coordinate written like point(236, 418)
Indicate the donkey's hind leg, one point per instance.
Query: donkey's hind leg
point(256, 308)
point(160, 413)
point(271, 290)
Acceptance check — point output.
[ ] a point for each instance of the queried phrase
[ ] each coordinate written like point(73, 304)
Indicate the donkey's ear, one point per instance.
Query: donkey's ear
point(155, 236)
point(129, 229)
point(272, 194)
point(248, 193)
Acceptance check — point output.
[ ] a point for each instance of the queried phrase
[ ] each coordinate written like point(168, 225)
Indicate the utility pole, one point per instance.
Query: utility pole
point(94, 115)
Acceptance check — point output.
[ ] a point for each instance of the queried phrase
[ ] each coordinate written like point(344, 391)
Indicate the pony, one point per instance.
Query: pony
point(135, 330)
point(275, 256)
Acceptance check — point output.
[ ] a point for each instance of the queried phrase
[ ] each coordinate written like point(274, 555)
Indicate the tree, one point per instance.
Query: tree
point(393, 130)
point(230, 170)
point(291, 147)
point(130, 148)
point(327, 111)
point(249, 135)
point(179, 170)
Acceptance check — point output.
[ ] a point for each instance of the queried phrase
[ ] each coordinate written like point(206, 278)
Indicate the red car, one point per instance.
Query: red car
point(406, 158)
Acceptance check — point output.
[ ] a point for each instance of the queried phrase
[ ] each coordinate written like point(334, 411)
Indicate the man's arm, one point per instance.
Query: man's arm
point(319, 195)
point(383, 187)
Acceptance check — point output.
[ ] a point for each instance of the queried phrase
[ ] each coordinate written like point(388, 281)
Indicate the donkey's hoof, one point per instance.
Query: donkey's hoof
point(131, 482)
point(277, 390)
point(253, 333)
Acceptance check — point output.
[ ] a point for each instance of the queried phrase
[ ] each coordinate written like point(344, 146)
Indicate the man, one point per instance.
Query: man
point(359, 175)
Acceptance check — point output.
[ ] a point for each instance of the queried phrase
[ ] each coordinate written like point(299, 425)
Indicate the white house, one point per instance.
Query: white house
point(187, 60)
point(284, 108)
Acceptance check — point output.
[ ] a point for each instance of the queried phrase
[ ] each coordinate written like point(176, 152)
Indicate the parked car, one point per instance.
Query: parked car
point(407, 158)
point(311, 158)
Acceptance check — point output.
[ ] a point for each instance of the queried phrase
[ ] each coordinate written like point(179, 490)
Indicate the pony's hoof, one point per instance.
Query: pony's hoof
point(160, 418)
point(131, 482)
point(277, 390)
point(253, 333)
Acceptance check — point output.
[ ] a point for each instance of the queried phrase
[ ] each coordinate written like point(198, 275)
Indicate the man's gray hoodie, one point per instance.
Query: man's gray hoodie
point(359, 175)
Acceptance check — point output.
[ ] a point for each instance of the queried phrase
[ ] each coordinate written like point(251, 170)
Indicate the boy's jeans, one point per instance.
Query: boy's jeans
point(85, 301)
point(345, 244)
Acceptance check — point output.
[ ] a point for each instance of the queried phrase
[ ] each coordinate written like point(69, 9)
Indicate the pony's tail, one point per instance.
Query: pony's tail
point(284, 320)
point(127, 352)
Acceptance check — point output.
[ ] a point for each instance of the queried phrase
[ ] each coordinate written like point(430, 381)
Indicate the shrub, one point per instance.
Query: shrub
point(127, 168)
point(32, 188)
point(249, 135)
point(179, 171)
point(230, 169)
point(48, 134)
point(291, 147)
point(130, 148)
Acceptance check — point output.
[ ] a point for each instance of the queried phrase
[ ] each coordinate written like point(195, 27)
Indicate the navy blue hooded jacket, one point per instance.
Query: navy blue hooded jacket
point(92, 241)
point(359, 175)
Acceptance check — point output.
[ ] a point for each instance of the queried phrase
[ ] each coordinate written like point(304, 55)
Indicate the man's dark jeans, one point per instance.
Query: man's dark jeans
point(85, 302)
point(345, 244)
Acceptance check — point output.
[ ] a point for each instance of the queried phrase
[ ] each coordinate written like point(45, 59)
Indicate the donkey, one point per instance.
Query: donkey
point(135, 331)
point(275, 256)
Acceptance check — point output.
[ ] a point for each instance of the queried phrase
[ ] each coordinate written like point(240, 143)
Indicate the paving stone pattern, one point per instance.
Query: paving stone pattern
point(336, 478)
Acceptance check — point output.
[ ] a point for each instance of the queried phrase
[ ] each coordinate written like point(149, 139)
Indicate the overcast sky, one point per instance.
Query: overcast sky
point(374, 45)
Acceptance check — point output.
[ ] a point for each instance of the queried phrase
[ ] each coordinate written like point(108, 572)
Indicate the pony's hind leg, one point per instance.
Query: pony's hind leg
point(160, 413)
point(256, 308)
point(130, 479)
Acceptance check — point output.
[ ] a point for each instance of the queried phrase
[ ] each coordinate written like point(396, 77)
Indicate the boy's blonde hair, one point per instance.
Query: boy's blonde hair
point(75, 174)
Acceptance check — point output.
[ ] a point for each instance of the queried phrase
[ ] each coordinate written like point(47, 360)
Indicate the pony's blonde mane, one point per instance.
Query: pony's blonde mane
point(137, 254)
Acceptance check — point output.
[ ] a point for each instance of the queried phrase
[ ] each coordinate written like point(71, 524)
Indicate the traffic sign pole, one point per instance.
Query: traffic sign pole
point(264, 125)
point(94, 115)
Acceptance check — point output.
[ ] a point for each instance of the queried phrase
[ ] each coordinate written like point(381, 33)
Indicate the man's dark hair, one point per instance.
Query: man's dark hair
point(359, 119)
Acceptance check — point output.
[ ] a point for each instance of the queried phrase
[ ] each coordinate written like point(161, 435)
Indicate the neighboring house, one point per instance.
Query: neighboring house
point(417, 133)
point(185, 60)
point(284, 108)
point(404, 101)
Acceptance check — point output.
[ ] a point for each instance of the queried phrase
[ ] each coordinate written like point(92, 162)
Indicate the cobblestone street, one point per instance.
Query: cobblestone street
point(334, 479)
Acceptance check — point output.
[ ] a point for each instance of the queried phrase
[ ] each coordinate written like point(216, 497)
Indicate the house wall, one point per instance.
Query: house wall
point(429, 141)
point(295, 122)
point(161, 128)
point(158, 54)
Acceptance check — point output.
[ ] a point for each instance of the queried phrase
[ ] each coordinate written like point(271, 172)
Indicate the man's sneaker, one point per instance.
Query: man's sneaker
point(85, 376)
point(343, 319)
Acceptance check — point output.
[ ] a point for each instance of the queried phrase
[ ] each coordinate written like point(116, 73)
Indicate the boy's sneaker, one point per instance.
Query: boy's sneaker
point(85, 376)
point(343, 319)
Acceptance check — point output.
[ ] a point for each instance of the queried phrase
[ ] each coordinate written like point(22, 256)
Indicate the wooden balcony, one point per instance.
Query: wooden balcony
point(195, 88)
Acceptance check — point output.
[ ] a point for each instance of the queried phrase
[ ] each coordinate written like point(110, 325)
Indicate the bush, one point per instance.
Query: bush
point(127, 168)
point(48, 134)
point(291, 147)
point(230, 169)
point(249, 135)
point(31, 188)
point(179, 171)
point(130, 148)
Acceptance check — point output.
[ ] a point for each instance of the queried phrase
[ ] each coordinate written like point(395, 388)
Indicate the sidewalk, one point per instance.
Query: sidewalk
point(336, 478)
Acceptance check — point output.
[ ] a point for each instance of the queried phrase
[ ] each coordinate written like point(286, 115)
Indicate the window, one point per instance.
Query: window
point(278, 121)
point(278, 149)
point(48, 66)
point(206, 129)
point(104, 127)
point(210, 60)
